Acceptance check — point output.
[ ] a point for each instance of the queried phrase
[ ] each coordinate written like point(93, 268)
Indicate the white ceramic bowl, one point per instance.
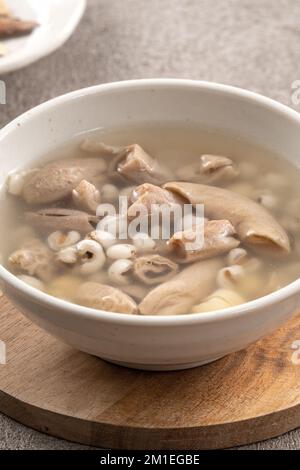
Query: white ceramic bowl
point(157, 343)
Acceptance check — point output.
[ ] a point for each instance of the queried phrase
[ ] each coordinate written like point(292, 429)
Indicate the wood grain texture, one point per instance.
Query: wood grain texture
point(246, 397)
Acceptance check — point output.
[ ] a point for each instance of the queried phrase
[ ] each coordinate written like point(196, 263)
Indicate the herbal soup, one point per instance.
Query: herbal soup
point(113, 221)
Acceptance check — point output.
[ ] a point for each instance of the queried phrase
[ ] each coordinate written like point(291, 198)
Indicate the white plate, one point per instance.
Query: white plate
point(57, 19)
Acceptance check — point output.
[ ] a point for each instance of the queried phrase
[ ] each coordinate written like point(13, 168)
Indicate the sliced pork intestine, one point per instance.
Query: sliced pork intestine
point(134, 164)
point(147, 195)
point(209, 169)
point(185, 290)
point(218, 238)
point(154, 269)
point(105, 297)
point(60, 219)
point(56, 181)
point(35, 259)
point(253, 223)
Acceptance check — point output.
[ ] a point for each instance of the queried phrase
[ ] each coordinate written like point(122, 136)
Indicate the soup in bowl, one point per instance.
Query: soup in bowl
point(155, 222)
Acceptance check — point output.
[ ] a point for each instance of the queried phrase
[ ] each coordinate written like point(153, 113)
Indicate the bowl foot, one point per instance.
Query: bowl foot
point(163, 367)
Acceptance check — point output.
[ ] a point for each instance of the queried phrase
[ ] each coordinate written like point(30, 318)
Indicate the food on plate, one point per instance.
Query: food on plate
point(4, 10)
point(12, 26)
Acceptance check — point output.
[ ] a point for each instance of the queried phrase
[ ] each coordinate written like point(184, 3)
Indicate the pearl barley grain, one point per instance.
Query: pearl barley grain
point(143, 243)
point(121, 251)
point(59, 240)
point(118, 270)
point(106, 239)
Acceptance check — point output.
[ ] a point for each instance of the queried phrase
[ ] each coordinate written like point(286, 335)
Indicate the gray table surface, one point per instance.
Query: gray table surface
point(248, 43)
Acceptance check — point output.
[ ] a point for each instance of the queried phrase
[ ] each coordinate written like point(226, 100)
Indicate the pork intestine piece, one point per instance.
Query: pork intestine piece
point(253, 223)
point(185, 290)
point(60, 219)
point(135, 164)
point(154, 269)
point(218, 238)
point(209, 169)
point(56, 181)
point(104, 297)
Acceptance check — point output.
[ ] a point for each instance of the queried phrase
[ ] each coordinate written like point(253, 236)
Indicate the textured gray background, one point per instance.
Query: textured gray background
point(249, 43)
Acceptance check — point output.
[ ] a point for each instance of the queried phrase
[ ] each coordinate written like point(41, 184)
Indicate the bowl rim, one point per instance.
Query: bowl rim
point(150, 320)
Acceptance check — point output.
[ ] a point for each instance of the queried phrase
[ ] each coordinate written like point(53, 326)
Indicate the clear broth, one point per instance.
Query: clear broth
point(175, 147)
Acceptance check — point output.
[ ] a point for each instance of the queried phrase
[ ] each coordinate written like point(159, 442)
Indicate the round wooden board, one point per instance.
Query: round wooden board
point(248, 396)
